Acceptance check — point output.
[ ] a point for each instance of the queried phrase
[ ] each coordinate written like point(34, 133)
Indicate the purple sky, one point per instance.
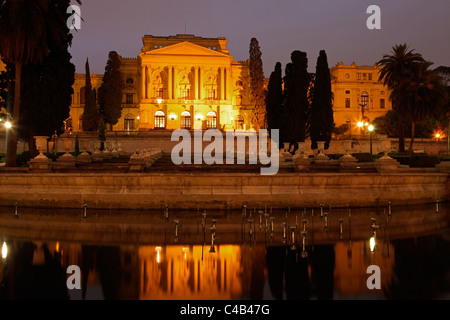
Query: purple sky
point(337, 26)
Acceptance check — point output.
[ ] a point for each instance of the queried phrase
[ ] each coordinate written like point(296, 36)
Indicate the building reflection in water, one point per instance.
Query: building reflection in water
point(413, 261)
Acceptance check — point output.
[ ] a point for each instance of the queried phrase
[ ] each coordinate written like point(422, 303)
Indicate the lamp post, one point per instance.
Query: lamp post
point(370, 128)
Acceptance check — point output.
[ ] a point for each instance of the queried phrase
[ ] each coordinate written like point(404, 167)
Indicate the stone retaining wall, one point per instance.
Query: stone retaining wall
point(220, 191)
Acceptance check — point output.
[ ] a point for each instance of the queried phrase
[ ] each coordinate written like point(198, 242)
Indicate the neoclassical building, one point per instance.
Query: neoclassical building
point(191, 82)
point(180, 81)
point(358, 95)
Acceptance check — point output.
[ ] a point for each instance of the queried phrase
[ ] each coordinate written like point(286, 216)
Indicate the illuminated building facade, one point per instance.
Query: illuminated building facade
point(191, 82)
point(358, 96)
point(177, 82)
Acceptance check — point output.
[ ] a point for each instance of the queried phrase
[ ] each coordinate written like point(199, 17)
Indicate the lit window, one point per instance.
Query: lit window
point(186, 120)
point(160, 93)
point(129, 122)
point(185, 94)
point(211, 94)
point(365, 99)
point(160, 120)
point(211, 120)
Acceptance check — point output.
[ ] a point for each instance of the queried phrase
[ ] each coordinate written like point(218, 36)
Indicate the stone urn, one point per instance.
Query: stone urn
point(286, 154)
point(321, 148)
point(67, 144)
point(41, 144)
point(347, 158)
point(300, 153)
point(40, 163)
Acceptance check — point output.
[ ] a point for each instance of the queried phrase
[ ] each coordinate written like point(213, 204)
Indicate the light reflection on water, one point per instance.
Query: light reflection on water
point(257, 254)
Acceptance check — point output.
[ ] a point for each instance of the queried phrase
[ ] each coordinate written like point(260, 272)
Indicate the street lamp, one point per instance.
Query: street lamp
point(371, 128)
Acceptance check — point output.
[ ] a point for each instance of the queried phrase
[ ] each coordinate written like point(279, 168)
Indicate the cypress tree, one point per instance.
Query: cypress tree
point(258, 92)
point(322, 119)
point(91, 116)
point(111, 91)
point(102, 134)
point(296, 103)
point(274, 98)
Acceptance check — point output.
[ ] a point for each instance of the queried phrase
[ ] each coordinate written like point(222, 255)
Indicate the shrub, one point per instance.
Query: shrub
point(363, 157)
point(422, 161)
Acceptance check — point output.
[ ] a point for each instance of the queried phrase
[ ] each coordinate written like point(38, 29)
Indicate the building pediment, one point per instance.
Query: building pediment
point(186, 49)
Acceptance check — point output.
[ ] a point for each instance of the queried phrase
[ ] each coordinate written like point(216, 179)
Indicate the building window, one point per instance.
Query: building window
point(364, 76)
point(239, 123)
point(211, 94)
point(130, 81)
point(239, 100)
point(185, 94)
point(370, 76)
point(129, 122)
point(382, 104)
point(365, 99)
point(129, 98)
point(382, 93)
point(347, 103)
point(186, 120)
point(358, 76)
point(211, 120)
point(160, 93)
point(160, 120)
point(347, 91)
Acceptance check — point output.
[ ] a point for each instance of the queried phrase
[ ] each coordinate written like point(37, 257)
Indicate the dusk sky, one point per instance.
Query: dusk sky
point(336, 26)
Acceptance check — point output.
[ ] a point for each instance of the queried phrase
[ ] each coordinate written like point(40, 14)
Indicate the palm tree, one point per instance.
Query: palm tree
point(27, 29)
point(422, 92)
point(394, 69)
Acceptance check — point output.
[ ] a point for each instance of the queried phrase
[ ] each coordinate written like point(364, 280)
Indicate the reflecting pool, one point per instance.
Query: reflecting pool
point(250, 253)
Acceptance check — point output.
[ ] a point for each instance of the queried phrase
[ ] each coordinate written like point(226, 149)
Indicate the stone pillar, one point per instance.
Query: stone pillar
point(200, 89)
point(175, 84)
point(170, 82)
point(222, 83)
point(149, 83)
point(143, 82)
point(195, 86)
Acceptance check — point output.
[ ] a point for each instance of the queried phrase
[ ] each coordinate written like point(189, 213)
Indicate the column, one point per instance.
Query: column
point(222, 83)
point(195, 86)
point(175, 85)
point(169, 82)
point(143, 82)
point(149, 83)
point(200, 89)
point(228, 92)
